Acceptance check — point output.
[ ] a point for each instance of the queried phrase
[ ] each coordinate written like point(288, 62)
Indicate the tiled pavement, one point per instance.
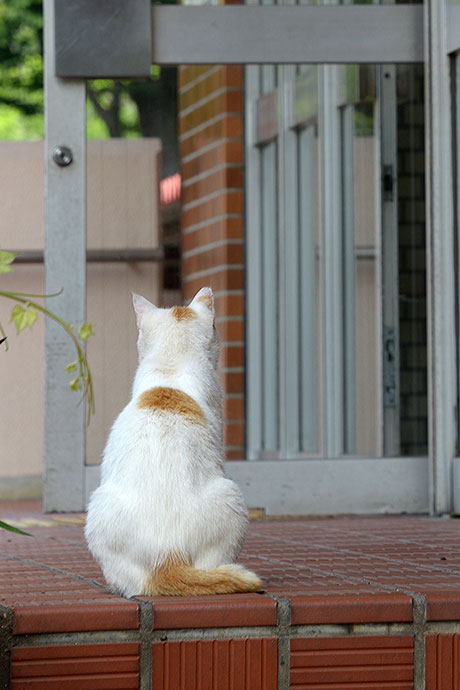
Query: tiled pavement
point(349, 603)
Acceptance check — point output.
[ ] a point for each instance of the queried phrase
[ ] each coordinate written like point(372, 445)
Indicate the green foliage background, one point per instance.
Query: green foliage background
point(21, 69)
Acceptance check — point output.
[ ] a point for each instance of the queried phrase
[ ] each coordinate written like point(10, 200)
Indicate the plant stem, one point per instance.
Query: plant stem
point(88, 392)
point(27, 294)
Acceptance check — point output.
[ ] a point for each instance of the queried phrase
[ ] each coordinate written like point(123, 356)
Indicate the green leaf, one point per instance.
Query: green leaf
point(75, 384)
point(10, 528)
point(85, 331)
point(71, 367)
point(18, 317)
point(22, 317)
point(31, 316)
point(6, 258)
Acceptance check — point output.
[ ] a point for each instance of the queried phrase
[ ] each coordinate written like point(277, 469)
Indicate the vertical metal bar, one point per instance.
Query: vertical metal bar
point(270, 302)
point(308, 286)
point(254, 294)
point(289, 228)
point(282, 254)
point(349, 277)
point(440, 264)
point(65, 266)
point(389, 268)
point(332, 363)
point(456, 84)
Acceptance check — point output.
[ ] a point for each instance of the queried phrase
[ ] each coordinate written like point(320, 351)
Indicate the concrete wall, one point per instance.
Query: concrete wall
point(123, 212)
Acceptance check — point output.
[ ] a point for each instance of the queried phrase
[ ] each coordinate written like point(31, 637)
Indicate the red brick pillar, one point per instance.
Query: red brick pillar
point(211, 101)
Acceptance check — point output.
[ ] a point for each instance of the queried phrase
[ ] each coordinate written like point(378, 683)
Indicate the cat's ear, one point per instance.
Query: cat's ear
point(204, 298)
point(142, 306)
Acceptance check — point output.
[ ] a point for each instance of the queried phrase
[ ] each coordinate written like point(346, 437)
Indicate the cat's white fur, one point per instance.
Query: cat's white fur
point(163, 492)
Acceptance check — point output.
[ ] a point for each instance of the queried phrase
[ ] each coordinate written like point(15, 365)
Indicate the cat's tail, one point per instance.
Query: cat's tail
point(176, 578)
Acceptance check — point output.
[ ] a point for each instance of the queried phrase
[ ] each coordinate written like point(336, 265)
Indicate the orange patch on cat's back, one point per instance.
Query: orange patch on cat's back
point(183, 313)
point(174, 401)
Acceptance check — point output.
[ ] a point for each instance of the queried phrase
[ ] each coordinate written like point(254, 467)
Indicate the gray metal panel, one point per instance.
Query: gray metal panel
point(290, 34)
point(103, 38)
point(331, 487)
point(65, 267)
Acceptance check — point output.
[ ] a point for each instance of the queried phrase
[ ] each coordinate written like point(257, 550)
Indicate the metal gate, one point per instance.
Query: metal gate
point(117, 39)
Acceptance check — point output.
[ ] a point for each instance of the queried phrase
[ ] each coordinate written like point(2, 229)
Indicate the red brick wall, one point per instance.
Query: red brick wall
point(211, 101)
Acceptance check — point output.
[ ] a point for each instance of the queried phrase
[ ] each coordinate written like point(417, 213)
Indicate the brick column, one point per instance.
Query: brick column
point(211, 101)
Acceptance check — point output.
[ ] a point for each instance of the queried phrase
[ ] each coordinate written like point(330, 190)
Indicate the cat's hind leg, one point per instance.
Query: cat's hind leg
point(123, 575)
point(223, 531)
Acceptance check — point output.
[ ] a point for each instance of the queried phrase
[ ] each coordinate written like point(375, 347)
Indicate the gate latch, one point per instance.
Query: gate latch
point(389, 367)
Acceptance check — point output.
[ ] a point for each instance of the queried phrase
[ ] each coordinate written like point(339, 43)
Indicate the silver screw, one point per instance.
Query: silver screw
point(62, 156)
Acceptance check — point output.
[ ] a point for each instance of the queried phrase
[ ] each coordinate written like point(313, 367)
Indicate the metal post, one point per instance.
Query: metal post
point(65, 267)
point(440, 264)
point(290, 270)
point(332, 277)
point(254, 374)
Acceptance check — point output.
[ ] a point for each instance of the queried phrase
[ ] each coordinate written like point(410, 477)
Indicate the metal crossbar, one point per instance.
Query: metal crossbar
point(257, 34)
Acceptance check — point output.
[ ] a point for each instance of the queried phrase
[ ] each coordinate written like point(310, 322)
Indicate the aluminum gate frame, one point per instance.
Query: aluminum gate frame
point(222, 35)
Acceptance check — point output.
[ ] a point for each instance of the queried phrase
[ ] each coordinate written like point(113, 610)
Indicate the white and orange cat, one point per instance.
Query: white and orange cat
point(165, 519)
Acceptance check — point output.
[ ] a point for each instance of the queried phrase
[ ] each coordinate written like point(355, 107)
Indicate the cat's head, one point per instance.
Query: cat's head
point(172, 335)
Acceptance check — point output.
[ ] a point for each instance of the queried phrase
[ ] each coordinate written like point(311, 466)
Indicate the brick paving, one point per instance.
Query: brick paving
point(348, 602)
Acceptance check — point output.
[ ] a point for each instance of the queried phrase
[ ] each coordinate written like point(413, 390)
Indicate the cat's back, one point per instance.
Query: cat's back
point(168, 405)
point(161, 427)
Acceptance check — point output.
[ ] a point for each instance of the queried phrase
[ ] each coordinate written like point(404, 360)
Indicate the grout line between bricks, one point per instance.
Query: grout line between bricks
point(209, 172)
point(190, 205)
point(198, 634)
point(201, 77)
point(75, 638)
point(145, 640)
point(207, 124)
point(209, 222)
point(211, 96)
point(284, 639)
point(6, 646)
point(330, 630)
point(419, 607)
